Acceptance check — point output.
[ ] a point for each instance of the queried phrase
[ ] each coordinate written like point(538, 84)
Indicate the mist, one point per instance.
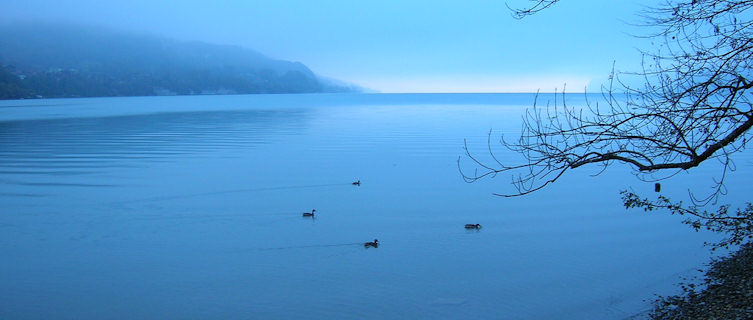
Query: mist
point(390, 46)
point(63, 60)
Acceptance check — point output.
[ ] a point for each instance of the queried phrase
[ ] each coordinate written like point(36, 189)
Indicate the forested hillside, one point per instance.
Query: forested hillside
point(69, 61)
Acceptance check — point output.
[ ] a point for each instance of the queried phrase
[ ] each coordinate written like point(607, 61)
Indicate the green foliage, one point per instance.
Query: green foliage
point(695, 105)
point(737, 226)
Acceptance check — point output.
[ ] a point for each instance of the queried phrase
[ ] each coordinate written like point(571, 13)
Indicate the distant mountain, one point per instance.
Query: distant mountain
point(71, 61)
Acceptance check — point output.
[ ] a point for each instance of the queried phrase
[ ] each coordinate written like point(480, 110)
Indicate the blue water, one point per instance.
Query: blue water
point(190, 208)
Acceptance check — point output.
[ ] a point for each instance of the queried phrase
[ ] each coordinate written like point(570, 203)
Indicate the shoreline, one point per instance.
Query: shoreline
point(725, 292)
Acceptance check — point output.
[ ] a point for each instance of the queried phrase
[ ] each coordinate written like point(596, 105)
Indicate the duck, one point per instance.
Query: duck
point(473, 226)
point(309, 214)
point(374, 244)
point(357, 183)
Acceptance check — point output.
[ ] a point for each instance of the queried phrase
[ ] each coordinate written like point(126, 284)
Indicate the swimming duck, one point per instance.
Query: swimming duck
point(357, 183)
point(309, 214)
point(374, 244)
point(473, 226)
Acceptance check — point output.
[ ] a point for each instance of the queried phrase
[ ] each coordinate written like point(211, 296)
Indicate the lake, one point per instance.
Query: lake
point(191, 208)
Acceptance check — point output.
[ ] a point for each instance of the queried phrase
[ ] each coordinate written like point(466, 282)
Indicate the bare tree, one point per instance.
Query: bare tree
point(537, 6)
point(693, 106)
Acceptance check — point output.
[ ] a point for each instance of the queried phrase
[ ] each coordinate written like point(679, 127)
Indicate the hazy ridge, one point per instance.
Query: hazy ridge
point(74, 61)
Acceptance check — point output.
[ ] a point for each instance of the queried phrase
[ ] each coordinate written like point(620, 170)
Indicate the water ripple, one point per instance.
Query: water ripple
point(79, 147)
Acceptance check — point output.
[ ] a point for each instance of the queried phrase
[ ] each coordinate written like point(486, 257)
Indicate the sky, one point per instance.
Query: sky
point(390, 45)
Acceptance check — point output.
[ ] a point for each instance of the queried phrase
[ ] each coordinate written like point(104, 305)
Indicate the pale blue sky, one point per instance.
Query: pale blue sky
point(390, 45)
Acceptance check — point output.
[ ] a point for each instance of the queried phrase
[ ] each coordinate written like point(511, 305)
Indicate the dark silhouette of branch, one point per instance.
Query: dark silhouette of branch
point(738, 226)
point(694, 105)
point(537, 6)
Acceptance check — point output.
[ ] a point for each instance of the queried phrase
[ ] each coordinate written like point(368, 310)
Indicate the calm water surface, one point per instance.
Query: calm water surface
point(190, 208)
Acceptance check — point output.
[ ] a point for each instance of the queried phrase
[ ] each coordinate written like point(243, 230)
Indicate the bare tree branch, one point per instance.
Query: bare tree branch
point(537, 6)
point(694, 105)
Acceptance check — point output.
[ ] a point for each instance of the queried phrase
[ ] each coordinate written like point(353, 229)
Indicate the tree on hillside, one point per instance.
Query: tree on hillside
point(694, 106)
point(10, 85)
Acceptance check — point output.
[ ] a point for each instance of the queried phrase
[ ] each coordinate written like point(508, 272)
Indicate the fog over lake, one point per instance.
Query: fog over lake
point(191, 207)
